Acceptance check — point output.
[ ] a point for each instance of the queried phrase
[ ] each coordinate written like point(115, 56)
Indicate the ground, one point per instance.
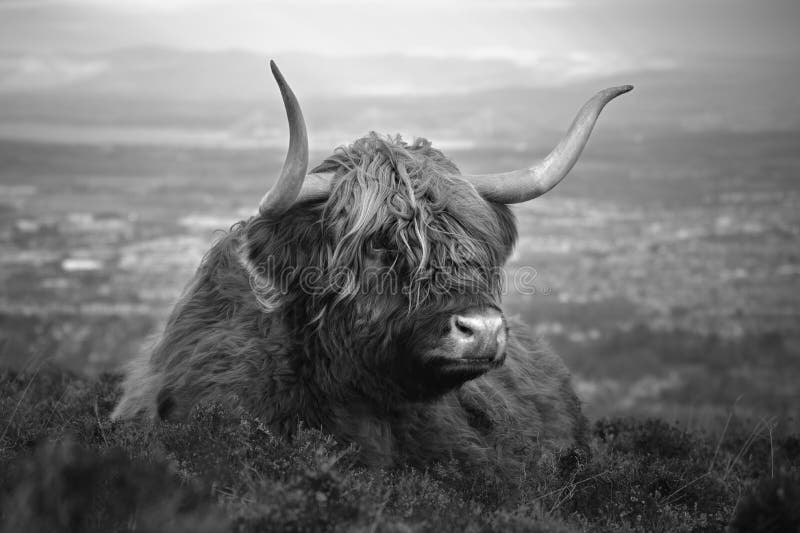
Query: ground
point(66, 467)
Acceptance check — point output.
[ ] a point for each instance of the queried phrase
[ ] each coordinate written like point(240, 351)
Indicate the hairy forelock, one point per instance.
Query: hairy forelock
point(396, 208)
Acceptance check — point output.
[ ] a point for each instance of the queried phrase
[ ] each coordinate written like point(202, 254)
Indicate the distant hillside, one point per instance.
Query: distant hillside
point(197, 97)
point(162, 73)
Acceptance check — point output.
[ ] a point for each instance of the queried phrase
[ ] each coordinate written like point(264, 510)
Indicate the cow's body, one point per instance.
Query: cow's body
point(364, 299)
point(219, 345)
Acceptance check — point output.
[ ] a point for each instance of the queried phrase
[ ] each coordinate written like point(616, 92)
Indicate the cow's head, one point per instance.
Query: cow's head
point(384, 261)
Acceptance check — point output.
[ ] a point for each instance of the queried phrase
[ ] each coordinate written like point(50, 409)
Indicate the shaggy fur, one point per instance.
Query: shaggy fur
point(332, 314)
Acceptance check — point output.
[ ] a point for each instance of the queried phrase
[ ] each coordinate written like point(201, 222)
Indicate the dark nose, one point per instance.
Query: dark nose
point(478, 334)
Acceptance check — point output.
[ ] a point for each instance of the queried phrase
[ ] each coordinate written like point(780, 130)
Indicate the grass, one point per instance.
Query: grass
point(65, 467)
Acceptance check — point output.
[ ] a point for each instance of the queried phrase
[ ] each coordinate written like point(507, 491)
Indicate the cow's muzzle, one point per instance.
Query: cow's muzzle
point(478, 335)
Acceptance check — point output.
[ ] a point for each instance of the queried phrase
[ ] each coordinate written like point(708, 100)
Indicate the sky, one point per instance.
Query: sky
point(731, 64)
point(639, 32)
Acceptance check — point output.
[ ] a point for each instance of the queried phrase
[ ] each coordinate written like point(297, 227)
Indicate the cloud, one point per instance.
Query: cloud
point(146, 6)
point(36, 71)
point(12, 5)
point(161, 5)
point(519, 30)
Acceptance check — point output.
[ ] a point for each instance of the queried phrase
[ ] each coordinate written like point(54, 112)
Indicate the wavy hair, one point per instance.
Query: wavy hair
point(393, 206)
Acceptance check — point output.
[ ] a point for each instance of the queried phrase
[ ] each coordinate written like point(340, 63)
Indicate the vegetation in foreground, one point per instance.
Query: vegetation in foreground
point(65, 467)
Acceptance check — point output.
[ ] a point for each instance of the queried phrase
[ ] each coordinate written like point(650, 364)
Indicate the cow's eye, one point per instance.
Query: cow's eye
point(378, 249)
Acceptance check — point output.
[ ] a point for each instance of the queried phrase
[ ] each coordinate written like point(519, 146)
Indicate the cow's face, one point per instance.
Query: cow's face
point(384, 261)
point(396, 276)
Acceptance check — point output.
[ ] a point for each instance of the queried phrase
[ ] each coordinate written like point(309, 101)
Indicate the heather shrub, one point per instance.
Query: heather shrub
point(66, 467)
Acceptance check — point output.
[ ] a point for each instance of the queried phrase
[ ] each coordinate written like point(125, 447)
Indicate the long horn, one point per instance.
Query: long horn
point(526, 184)
point(285, 191)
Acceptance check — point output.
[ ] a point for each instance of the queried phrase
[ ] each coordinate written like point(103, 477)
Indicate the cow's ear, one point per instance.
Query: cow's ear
point(277, 252)
point(507, 229)
point(288, 241)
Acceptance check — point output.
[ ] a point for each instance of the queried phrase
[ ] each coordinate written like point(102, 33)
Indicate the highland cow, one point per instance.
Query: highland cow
point(364, 299)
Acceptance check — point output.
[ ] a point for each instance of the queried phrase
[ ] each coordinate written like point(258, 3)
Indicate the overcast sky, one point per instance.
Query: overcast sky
point(639, 31)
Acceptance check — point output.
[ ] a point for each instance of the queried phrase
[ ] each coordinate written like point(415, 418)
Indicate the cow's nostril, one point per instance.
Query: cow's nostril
point(463, 327)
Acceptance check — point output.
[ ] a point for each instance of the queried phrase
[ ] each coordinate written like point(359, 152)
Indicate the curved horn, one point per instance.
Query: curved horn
point(285, 191)
point(526, 184)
